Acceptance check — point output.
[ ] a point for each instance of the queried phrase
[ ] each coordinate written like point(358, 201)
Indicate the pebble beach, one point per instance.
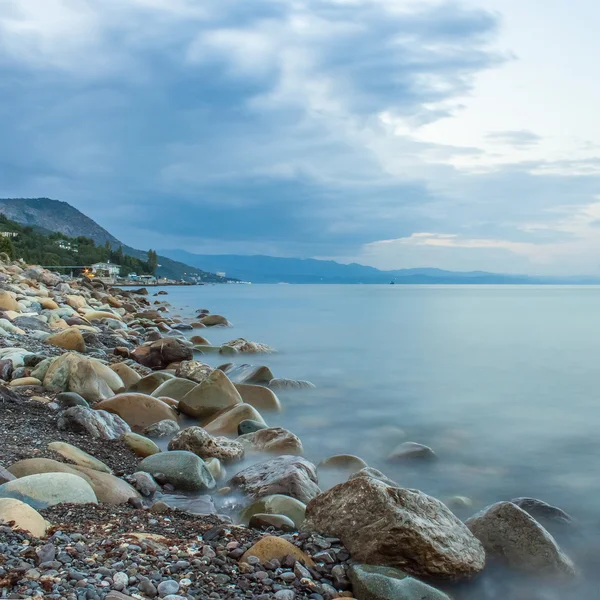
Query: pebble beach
point(129, 468)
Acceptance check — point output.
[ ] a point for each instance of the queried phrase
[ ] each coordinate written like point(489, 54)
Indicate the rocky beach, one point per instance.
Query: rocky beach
point(129, 468)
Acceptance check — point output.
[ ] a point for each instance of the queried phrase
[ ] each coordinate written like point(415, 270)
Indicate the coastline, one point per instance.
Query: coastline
point(89, 368)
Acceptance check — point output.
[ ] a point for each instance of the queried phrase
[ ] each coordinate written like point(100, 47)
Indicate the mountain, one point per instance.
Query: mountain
point(46, 215)
point(271, 269)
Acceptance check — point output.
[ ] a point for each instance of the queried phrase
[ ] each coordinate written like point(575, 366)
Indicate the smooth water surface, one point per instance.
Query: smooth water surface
point(503, 382)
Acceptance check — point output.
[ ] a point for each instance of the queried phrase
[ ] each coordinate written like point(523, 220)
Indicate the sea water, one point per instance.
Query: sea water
point(503, 382)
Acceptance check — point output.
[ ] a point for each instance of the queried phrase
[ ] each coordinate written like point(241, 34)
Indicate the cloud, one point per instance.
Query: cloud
point(293, 127)
point(516, 139)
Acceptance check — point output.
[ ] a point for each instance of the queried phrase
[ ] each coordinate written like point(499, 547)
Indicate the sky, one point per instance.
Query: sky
point(460, 135)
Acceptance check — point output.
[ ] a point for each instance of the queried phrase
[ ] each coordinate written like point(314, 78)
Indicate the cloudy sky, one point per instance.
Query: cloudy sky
point(460, 135)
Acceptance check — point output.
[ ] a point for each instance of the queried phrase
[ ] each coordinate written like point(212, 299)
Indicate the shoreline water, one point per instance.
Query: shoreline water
point(137, 337)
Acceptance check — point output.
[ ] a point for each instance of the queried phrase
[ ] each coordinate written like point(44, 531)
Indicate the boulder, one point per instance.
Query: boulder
point(162, 429)
point(262, 398)
point(183, 470)
point(544, 512)
point(199, 340)
point(204, 445)
point(175, 388)
point(216, 469)
point(31, 324)
point(95, 423)
point(68, 399)
point(384, 525)
point(108, 488)
point(246, 347)
point(227, 423)
point(194, 370)
point(274, 440)
point(48, 304)
point(23, 517)
point(159, 354)
point(76, 301)
point(128, 376)
point(210, 396)
point(370, 582)
point(249, 426)
point(343, 462)
point(264, 520)
point(288, 475)
point(48, 489)
point(110, 376)
point(68, 339)
point(8, 301)
point(142, 446)
point(374, 474)
point(410, 451)
point(277, 504)
point(215, 320)
point(271, 547)
point(78, 456)
point(511, 535)
point(146, 385)
point(290, 384)
point(249, 374)
point(138, 410)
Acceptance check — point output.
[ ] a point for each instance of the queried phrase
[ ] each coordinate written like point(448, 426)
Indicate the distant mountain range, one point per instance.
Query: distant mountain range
point(53, 215)
point(270, 269)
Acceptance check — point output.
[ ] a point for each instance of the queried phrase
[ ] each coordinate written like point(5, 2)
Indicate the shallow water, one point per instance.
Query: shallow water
point(501, 381)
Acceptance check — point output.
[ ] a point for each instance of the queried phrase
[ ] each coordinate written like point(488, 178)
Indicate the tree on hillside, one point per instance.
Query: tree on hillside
point(152, 261)
point(6, 245)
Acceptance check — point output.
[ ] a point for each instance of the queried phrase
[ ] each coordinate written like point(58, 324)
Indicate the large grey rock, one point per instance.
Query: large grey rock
point(201, 443)
point(511, 535)
point(68, 399)
point(183, 470)
point(48, 489)
point(385, 525)
point(272, 440)
point(277, 504)
point(96, 423)
point(543, 512)
point(370, 582)
point(175, 388)
point(32, 323)
point(212, 395)
point(289, 475)
point(247, 373)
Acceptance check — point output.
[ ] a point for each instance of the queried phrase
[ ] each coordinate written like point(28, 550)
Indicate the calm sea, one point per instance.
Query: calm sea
point(503, 382)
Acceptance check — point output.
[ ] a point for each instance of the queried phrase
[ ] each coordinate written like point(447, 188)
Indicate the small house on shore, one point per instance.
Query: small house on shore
point(106, 269)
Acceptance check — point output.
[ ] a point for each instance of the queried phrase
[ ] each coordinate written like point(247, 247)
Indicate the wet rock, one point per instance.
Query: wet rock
point(387, 583)
point(68, 339)
point(215, 321)
point(108, 488)
point(144, 483)
point(290, 384)
point(146, 385)
point(262, 398)
point(138, 410)
point(264, 520)
point(194, 370)
point(513, 536)
point(142, 446)
point(210, 396)
point(249, 426)
point(162, 429)
point(96, 423)
point(370, 472)
point(216, 468)
point(159, 354)
point(184, 470)
point(175, 388)
point(226, 423)
point(273, 440)
point(128, 376)
point(201, 443)
point(247, 374)
point(68, 399)
point(31, 324)
point(288, 475)
point(383, 525)
point(410, 451)
point(8, 301)
point(47, 489)
point(277, 504)
point(244, 346)
point(543, 512)
point(23, 516)
point(25, 381)
point(276, 548)
point(345, 462)
point(78, 456)
point(199, 340)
